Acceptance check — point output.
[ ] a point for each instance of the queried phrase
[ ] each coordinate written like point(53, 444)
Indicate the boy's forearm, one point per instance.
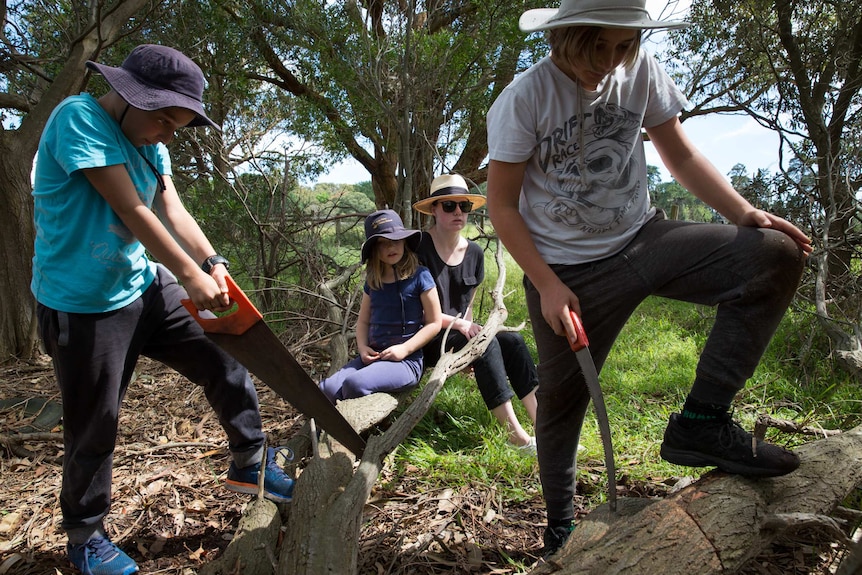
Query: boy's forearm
point(150, 231)
point(181, 225)
point(189, 235)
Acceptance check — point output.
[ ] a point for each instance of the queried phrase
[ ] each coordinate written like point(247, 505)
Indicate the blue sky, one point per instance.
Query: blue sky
point(724, 140)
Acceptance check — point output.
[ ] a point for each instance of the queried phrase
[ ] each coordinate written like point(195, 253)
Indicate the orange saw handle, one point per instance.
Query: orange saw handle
point(579, 331)
point(236, 321)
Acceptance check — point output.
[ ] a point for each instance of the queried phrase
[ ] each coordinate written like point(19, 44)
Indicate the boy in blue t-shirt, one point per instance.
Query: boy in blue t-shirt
point(103, 199)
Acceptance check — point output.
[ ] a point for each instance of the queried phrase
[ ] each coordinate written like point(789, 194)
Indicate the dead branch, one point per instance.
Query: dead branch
point(764, 422)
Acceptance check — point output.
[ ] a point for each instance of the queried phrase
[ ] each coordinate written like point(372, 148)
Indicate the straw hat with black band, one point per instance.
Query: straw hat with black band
point(448, 187)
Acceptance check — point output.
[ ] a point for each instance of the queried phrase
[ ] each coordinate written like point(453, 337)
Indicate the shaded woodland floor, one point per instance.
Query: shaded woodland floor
point(171, 514)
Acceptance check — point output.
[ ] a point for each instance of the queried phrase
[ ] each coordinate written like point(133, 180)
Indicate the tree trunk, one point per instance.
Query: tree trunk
point(18, 321)
point(18, 148)
point(322, 533)
point(717, 524)
point(253, 547)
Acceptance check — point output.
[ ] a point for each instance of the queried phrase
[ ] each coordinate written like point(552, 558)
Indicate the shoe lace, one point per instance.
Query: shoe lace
point(102, 548)
point(273, 467)
point(285, 452)
point(732, 433)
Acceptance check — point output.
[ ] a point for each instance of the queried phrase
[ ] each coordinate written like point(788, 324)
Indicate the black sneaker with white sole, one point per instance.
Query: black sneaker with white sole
point(723, 443)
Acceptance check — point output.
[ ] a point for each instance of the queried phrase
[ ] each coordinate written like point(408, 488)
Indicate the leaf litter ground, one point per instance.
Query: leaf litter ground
point(172, 515)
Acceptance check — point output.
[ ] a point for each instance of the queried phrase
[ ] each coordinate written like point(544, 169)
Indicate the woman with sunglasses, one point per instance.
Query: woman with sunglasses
point(458, 267)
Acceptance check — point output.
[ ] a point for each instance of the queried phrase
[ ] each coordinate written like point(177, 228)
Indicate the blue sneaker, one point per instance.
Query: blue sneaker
point(277, 486)
point(100, 557)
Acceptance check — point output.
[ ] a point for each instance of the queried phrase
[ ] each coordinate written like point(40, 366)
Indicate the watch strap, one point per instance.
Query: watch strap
point(213, 261)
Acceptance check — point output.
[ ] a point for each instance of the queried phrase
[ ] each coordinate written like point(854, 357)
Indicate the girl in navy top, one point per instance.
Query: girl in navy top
point(399, 314)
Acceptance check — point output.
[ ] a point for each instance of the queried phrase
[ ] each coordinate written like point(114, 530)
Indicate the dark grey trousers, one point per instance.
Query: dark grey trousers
point(94, 356)
point(751, 276)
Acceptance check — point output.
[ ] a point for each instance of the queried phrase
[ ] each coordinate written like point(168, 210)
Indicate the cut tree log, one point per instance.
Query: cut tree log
point(321, 532)
point(253, 548)
point(718, 523)
point(711, 527)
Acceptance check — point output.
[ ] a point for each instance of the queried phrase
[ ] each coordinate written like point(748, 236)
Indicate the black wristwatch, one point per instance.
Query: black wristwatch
point(213, 261)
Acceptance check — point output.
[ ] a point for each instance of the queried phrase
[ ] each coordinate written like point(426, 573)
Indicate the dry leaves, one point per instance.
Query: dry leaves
point(171, 514)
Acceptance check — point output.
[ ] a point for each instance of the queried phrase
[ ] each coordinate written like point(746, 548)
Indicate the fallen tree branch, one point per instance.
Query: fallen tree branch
point(168, 446)
point(717, 524)
point(764, 422)
point(18, 438)
point(14, 442)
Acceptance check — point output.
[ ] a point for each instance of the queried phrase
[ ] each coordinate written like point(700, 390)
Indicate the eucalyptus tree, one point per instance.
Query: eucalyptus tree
point(400, 86)
point(796, 68)
point(242, 182)
point(43, 47)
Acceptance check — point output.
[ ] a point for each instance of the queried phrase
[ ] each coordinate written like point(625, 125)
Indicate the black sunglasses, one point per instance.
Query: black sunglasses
point(449, 206)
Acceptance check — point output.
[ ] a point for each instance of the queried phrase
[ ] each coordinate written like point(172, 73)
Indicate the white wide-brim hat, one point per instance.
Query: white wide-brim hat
point(603, 13)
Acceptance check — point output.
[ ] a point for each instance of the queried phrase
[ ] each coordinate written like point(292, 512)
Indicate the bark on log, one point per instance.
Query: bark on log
point(253, 548)
point(322, 529)
point(718, 523)
point(326, 514)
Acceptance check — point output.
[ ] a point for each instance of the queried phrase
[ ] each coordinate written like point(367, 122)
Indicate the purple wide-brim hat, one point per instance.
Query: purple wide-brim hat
point(387, 224)
point(153, 77)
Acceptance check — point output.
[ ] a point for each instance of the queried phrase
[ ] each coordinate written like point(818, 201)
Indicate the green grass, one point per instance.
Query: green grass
point(645, 379)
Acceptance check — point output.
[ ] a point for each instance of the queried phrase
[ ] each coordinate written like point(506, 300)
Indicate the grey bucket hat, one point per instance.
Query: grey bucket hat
point(153, 77)
point(603, 13)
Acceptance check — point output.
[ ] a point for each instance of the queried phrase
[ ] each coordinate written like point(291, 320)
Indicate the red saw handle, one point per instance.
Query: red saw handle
point(235, 322)
point(579, 331)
